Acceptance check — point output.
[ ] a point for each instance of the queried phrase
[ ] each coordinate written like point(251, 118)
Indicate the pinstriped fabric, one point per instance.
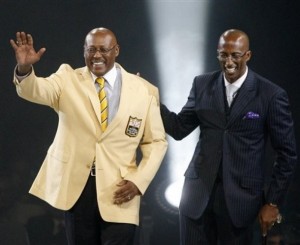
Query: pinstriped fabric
point(235, 142)
point(103, 103)
point(191, 234)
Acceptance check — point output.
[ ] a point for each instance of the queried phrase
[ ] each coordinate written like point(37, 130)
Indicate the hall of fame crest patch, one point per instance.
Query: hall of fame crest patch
point(133, 126)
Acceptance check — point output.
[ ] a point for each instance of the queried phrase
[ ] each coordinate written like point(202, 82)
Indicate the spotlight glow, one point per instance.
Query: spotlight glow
point(179, 34)
point(173, 193)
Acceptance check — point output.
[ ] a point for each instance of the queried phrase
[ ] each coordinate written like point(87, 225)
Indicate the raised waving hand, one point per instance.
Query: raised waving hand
point(25, 53)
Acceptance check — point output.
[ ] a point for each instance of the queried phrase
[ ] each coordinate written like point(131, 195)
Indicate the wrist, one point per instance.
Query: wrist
point(23, 70)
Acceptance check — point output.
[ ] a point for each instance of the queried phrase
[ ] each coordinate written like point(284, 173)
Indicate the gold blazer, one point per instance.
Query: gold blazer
point(79, 140)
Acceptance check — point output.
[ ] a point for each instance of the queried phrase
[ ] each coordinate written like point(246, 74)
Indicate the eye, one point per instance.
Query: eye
point(236, 55)
point(104, 50)
point(223, 56)
point(91, 50)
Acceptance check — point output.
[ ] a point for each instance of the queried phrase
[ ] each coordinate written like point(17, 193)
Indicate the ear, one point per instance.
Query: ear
point(248, 55)
point(117, 50)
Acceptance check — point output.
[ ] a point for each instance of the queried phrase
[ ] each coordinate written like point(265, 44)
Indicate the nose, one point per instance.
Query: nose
point(229, 60)
point(98, 53)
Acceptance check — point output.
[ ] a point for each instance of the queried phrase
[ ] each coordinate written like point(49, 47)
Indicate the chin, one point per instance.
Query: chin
point(98, 73)
point(231, 78)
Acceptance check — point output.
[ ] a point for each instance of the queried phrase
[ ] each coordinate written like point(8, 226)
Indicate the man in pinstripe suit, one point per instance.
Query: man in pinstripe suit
point(223, 191)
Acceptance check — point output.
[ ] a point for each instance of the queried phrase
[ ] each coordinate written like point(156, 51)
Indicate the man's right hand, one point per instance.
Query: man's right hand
point(268, 216)
point(25, 53)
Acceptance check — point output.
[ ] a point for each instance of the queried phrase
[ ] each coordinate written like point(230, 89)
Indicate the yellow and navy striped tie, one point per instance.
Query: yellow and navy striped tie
point(103, 103)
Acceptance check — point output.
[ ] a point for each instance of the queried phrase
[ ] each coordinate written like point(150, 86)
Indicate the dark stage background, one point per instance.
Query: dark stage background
point(26, 129)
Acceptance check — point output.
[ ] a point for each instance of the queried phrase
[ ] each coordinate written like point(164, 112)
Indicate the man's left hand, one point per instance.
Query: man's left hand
point(126, 192)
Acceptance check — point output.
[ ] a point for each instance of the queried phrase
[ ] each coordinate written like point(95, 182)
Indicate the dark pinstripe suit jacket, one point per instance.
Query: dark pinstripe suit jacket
point(235, 141)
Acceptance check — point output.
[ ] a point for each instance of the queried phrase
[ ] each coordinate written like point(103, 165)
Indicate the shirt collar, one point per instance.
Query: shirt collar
point(238, 83)
point(110, 76)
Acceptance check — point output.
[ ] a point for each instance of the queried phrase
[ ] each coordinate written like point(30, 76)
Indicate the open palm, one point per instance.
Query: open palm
point(24, 50)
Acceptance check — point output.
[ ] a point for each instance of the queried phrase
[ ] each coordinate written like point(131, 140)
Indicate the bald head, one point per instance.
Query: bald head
point(234, 36)
point(101, 31)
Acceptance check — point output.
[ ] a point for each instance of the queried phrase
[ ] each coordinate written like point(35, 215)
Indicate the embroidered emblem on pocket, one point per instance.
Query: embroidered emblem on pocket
point(133, 126)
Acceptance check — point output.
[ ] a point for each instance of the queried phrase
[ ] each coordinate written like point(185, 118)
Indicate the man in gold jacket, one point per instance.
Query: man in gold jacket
point(90, 172)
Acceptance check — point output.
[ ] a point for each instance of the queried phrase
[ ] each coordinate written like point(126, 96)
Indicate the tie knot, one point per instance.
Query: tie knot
point(101, 81)
point(231, 89)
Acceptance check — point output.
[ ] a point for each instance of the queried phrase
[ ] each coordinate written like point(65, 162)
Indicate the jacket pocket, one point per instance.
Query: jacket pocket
point(126, 170)
point(252, 183)
point(60, 155)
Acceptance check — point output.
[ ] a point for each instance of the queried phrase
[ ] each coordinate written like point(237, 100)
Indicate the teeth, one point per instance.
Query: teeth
point(98, 63)
point(230, 70)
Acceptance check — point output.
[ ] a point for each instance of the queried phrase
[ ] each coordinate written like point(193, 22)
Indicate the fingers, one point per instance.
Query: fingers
point(264, 228)
point(22, 39)
point(123, 199)
point(29, 39)
point(41, 52)
point(18, 42)
point(126, 192)
point(18, 38)
point(268, 225)
point(13, 44)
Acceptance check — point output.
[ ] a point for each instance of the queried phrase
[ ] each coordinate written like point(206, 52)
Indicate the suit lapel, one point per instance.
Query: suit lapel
point(91, 92)
point(245, 95)
point(125, 101)
point(218, 95)
point(125, 98)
